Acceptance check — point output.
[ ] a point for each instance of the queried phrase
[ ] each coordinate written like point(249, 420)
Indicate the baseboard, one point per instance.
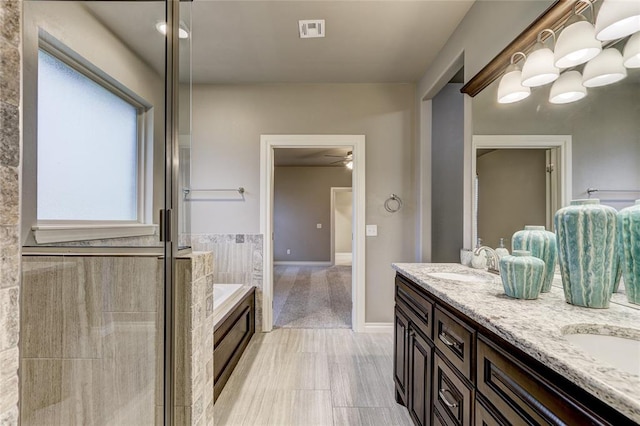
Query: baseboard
point(378, 327)
point(301, 263)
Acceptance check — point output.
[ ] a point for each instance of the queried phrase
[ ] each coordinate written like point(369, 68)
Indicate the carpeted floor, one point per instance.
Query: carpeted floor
point(312, 296)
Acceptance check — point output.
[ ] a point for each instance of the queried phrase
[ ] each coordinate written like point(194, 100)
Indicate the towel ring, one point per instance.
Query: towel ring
point(389, 204)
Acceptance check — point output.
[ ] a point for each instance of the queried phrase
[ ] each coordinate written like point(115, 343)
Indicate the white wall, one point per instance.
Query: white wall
point(301, 200)
point(343, 221)
point(228, 122)
point(71, 24)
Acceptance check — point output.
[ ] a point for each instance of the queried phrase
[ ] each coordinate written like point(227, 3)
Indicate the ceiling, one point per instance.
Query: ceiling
point(309, 157)
point(240, 42)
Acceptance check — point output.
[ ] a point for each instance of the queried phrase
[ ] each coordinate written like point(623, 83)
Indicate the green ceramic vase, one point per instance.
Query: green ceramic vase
point(629, 250)
point(542, 244)
point(586, 237)
point(522, 275)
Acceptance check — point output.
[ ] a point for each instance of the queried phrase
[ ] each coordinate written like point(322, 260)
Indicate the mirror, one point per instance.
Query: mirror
point(604, 154)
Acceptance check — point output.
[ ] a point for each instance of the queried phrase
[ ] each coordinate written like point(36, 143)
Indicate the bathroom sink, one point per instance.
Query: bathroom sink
point(452, 276)
point(621, 352)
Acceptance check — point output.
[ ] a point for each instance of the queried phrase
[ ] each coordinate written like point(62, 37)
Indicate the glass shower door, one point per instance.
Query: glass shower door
point(98, 193)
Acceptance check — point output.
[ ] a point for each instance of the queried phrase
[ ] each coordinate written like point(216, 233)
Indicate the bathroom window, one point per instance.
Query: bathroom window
point(90, 145)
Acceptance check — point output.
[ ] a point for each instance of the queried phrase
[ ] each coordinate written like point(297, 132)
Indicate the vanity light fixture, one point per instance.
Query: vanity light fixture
point(617, 19)
point(567, 88)
point(606, 68)
point(631, 54)
point(162, 29)
point(577, 42)
point(510, 88)
point(539, 68)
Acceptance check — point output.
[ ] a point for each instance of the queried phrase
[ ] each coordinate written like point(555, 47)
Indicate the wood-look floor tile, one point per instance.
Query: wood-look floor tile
point(359, 384)
point(301, 407)
point(351, 416)
point(304, 370)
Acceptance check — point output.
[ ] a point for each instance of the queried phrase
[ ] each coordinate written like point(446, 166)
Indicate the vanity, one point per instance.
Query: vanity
point(465, 353)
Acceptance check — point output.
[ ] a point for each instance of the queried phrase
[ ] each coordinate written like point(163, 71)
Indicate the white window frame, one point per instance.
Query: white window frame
point(52, 231)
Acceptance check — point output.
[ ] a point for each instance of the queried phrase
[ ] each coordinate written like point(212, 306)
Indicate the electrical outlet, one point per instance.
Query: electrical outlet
point(288, 251)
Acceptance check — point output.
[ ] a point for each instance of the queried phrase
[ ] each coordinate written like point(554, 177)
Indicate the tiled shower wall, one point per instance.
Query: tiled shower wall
point(10, 21)
point(91, 334)
point(238, 259)
point(194, 352)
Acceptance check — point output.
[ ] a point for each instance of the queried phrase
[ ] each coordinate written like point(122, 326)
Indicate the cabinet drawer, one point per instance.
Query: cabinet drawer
point(521, 395)
point(452, 397)
point(488, 416)
point(420, 308)
point(456, 340)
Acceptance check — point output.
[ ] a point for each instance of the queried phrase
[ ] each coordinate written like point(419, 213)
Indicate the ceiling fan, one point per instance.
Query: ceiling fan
point(347, 160)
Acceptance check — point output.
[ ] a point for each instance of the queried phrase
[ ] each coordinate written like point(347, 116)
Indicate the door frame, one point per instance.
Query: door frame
point(355, 143)
point(334, 191)
point(560, 143)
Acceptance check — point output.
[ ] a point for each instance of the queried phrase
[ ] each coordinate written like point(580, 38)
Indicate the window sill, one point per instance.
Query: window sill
point(45, 234)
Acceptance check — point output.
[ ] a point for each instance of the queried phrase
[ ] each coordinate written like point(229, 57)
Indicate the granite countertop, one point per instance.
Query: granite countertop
point(537, 326)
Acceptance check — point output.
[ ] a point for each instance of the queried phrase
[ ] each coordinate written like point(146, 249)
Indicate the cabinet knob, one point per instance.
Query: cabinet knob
point(443, 393)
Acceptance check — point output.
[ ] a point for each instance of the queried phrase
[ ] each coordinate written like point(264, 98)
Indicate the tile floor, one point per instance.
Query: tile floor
point(313, 377)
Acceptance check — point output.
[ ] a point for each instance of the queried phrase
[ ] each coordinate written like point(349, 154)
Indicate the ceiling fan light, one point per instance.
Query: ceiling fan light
point(631, 56)
point(510, 89)
point(617, 19)
point(539, 69)
point(606, 68)
point(567, 88)
point(576, 44)
point(349, 165)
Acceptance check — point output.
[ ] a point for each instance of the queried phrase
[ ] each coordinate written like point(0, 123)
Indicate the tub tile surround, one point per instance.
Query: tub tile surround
point(10, 140)
point(237, 259)
point(194, 351)
point(537, 326)
point(89, 323)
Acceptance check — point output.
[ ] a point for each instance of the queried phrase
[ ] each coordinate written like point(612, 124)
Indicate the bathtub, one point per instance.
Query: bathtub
point(225, 296)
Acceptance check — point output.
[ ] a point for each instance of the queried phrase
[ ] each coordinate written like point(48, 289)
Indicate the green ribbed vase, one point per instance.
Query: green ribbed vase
point(522, 275)
point(629, 250)
point(586, 237)
point(542, 244)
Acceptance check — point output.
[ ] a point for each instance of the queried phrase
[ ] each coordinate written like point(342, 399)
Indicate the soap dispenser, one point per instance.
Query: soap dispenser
point(502, 250)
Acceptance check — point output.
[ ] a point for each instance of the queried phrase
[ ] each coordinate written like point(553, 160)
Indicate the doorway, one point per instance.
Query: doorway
point(495, 174)
point(352, 143)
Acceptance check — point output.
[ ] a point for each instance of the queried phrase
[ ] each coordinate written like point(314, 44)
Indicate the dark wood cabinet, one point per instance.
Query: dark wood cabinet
point(420, 358)
point(401, 355)
point(450, 370)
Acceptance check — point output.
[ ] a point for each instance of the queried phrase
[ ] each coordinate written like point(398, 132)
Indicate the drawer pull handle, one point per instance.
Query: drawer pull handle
point(445, 399)
point(445, 338)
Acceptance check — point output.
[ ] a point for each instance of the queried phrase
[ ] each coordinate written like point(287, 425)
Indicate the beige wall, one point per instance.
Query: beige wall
point(228, 122)
point(605, 130)
point(343, 221)
point(71, 24)
point(511, 193)
point(301, 200)
point(10, 138)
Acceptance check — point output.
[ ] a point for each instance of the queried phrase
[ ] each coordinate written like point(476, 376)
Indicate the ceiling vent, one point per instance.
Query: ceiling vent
point(311, 28)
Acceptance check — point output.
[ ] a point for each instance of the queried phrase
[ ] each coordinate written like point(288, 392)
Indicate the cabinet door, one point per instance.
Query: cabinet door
point(419, 395)
point(401, 355)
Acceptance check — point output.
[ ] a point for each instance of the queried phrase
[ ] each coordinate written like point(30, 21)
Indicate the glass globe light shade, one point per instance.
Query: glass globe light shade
point(576, 44)
point(510, 89)
point(631, 55)
point(539, 69)
point(567, 88)
point(617, 19)
point(606, 68)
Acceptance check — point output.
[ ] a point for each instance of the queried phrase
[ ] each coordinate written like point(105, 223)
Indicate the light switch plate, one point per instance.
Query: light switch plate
point(371, 230)
point(319, 225)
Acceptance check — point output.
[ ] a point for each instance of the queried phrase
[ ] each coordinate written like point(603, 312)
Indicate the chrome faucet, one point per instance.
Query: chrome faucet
point(492, 258)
